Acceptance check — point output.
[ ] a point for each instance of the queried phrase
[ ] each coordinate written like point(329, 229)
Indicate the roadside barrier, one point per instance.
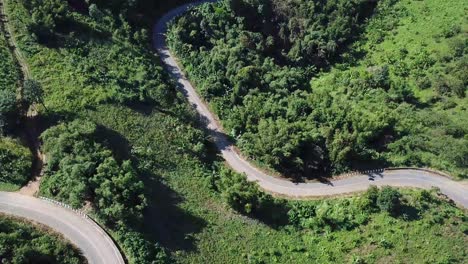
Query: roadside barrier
point(64, 205)
point(352, 173)
point(117, 250)
point(376, 171)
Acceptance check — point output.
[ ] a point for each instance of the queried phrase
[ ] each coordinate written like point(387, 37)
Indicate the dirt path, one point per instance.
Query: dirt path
point(29, 131)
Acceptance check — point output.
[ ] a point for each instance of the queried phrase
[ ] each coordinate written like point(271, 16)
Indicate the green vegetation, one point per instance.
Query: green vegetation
point(22, 243)
point(107, 58)
point(84, 66)
point(8, 72)
point(9, 77)
point(312, 88)
point(116, 128)
point(15, 162)
point(325, 231)
point(15, 159)
point(79, 169)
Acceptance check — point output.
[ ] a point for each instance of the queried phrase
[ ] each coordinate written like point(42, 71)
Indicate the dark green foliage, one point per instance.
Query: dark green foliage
point(15, 162)
point(257, 62)
point(270, 111)
point(246, 198)
point(2, 124)
point(110, 57)
point(389, 200)
point(7, 102)
point(342, 214)
point(370, 199)
point(95, 13)
point(32, 92)
point(22, 243)
point(80, 169)
point(324, 215)
point(46, 15)
point(336, 215)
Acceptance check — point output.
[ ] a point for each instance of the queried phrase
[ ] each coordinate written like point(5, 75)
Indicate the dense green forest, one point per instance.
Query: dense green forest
point(119, 139)
point(312, 88)
point(20, 242)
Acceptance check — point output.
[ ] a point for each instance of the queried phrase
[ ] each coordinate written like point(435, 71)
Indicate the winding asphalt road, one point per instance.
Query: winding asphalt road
point(96, 246)
point(457, 191)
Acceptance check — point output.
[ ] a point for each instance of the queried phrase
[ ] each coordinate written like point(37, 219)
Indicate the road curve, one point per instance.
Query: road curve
point(457, 191)
point(96, 246)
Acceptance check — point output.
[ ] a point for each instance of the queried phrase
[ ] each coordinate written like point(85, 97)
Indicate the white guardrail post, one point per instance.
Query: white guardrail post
point(77, 211)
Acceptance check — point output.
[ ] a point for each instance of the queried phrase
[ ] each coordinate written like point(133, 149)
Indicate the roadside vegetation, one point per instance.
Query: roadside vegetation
point(22, 242)
point(122, 143)
point(378, 226)
point(318, 88)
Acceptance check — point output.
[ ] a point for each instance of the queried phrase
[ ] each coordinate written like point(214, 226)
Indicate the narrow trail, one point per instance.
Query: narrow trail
point(30, 129)
point(405, 177)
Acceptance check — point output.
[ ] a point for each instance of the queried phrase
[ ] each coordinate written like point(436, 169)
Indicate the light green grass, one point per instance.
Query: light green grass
point(8, 187)
point(422, 26)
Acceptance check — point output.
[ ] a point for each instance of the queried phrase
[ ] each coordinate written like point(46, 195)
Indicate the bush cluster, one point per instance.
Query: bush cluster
point(15, 162)
point(79, 169)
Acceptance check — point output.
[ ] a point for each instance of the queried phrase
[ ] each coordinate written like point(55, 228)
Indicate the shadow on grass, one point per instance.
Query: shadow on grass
point(167, 223)
point(409, 213)
point(115, 141)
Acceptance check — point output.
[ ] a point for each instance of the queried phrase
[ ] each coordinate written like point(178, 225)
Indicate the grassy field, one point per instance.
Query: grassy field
point(22, 242)
point(185, 216)
point(424, 45)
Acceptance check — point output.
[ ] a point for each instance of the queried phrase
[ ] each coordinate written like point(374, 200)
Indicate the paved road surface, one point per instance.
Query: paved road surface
point(457, 191)
point(95, 245)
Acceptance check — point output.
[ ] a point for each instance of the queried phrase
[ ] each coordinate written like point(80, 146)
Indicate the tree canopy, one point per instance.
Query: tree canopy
point(80, 169)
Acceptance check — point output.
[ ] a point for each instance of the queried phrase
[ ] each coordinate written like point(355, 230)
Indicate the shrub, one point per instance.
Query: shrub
point(389, 200)
point(246, 198)
point(80, 169)
point(368, 202)
point(32, 92)
point(7, 102)
point(15, 162)
point(139, 250)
